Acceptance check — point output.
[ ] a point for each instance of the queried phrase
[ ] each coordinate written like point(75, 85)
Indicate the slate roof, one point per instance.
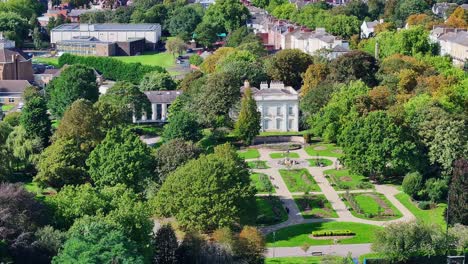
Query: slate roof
point(460, 37)
point(108, 27)
point(13, 87)
point(7, 54)
point(163, 96)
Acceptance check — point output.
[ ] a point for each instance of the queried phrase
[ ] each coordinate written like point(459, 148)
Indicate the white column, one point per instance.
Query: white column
point(153, 114)
point(285, 117)
point(163, 111)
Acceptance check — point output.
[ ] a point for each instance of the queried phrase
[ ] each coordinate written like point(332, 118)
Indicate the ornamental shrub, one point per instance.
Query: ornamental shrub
point(333, 233)
point(412, 183)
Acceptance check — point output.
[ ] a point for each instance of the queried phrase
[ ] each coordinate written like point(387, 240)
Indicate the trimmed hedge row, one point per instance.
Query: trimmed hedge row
point(333, 233)
point(111, 68)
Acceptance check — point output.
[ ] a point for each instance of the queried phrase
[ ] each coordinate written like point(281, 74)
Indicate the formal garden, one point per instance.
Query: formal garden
point(258, 164)
point(283, 155)
point(372, 206)
point(262, 183)
point(345, 180)
point(314, 206)
point(299, 180)
point(270, 210)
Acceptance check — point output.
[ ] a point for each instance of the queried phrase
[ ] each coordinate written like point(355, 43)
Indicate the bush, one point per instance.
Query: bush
point(436, 189)
point(424, 205)
point(364, 185)
point(111, 68)
point(412, 183)
point(333, 233)
point(196, 60)
point(307, 137)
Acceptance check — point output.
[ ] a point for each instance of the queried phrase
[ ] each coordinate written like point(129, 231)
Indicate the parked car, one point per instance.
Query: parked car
point(189, 50)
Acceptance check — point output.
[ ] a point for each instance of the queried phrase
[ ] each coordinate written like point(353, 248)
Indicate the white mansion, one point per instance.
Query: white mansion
point(278, 105)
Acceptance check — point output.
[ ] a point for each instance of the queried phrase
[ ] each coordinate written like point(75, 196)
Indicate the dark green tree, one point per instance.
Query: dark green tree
point(354, 65)
point(288, 66)
point(196, 205)
point(35, 120)
point(75, 82)
point(121, 158)
point(165, 243)
point(155, 81)
point(248, 124)
point(228, 14)
point(62, 163)
point(172, 155)
point(14, 26)
point(458, 194)
point(183, 21)
point(412, 184)
point(81, 123)
point(94, 240)
point(183, 125)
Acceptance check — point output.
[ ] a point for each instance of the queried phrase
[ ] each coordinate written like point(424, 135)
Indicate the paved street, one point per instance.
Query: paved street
point(338, 250)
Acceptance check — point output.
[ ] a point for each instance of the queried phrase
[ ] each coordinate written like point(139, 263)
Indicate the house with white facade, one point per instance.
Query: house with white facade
point(368, 28)
point(160, 103)
point(453, 42)
point(278, 105)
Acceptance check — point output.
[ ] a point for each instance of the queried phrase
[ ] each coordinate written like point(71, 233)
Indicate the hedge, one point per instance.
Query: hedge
point(111, 68)
point(333, 233)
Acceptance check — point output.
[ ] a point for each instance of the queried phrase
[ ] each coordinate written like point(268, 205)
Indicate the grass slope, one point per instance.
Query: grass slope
point(297, 235)
point(432, 216)
point(299, 180)
point(163, 59)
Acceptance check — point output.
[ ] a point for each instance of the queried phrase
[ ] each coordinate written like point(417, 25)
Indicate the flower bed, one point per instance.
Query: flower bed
point(333, 233)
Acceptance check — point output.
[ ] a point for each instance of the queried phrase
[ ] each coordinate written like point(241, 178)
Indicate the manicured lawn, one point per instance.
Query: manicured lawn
point(258, 164)
point(432, 216)
point(270, 211)
point(297, 235)
point(371, 204)
point(152, 130)
point(51, 61)
point(299, 180)
point(7, 107)
point(318, 162)
point(250, 153)
point(345, 180)
point(316, 206)
point(298, 260)
point(262, 183)
point(282, 155)
point(163, 59)
point(323, 149)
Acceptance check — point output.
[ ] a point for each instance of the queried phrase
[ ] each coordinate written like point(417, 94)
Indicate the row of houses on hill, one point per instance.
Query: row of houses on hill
point(277, 34)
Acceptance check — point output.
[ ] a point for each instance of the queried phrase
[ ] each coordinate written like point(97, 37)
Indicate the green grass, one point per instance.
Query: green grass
point(290, 133)
point(432, 216)
point(345, 180)
point(299, 180)
point(370, 207)
point(324, 150)
point(33, 187)
point(270, 211)
point(319, 206)
point(55, 123)
point(147, 129)
point(258, 164)
point(297, 235)
point(372, 255)
point(298, 260)
point(51, 61)
point(281, 155)
point(325, 162)
point(6, 108)
point(250, 153)
point(163, 59)
point(262, 186)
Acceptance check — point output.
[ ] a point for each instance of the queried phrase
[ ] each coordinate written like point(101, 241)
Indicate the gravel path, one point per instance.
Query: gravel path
point(338, 250)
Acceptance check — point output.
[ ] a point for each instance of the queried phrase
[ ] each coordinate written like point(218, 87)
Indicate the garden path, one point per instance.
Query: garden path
point(344, 215)
point(356, 250)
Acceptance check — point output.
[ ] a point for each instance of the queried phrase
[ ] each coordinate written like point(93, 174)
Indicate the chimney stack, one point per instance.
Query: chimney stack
point(246, 84)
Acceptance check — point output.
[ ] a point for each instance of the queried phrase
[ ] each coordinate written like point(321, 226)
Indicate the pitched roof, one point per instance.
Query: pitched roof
point(372, 24)
point(460, 37)
point(163, 96)
point(6, 55)
point(106, 27)
point(8, 87)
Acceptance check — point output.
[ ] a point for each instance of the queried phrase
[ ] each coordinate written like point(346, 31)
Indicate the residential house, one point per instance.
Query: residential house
point(11, 91)
point(453, 42)
point(440, 9)
point(44, 78)
point(14, 66)
point(367, 28)
point(278, 105)
point(160, 103)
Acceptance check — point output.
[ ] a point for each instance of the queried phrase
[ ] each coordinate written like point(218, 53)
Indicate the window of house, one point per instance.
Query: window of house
point(265, 124)
point(11, 100)
point(158, 112)
point(278, 110)
point(290, 124)
point(278, 124)
point(290, 110)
